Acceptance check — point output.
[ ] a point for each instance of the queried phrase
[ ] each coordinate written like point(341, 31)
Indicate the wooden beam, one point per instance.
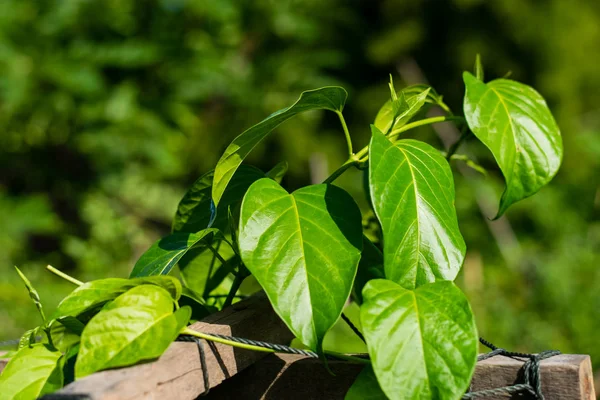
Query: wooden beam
point(177, 374)
point(285, 376)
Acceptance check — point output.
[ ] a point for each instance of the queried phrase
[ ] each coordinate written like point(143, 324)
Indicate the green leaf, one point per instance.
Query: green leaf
point(29, 337)
point(137, 325)
point(32, 372)
point(194, 211)
point(166, 252)
point(95, 293)
point(413, 196)
point(365, 387)
point(199, 266)
point(278, 171)
point(514, 122)
point(32, 293)
point(65, 332)
point(327, 98)
point(303, 248)
point(422, 342)
point(409, 106)
point(369, 267)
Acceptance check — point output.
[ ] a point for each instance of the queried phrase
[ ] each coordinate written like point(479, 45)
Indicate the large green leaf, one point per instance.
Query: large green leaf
point(164, 254)
point(137, 325)
point(303, 248)
point(514, 122)
point(32, 372)
point(95, 293)
point(327, 98)
point(412, 191)
point(410, 102)
point(365, 387)
point(195, 213)
point(422, 342)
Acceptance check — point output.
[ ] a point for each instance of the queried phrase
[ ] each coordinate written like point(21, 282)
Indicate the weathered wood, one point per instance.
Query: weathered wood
point(177, 374)
point(566, 376)
point(284, 376)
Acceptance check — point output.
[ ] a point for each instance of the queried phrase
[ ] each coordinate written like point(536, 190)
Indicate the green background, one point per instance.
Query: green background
point(109, 109)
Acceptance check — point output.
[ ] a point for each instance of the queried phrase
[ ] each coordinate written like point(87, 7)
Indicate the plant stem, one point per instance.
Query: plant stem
point(422, 122)
point(63, 275)
point(237, 282)
point(463, 136)
point(336, 174)
point(347, 133)
point(190, 332)
point(356, 159)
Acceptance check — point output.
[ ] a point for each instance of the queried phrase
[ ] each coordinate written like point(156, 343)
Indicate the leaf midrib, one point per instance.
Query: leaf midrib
point(297, 213)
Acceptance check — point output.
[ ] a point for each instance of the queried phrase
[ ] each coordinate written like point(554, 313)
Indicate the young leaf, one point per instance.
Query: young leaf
point(330, 98)
point(514, 122)
point(365, 387)
point(303, 248)
point(95, 293)
point(137, 325)
point(29, 337)
point(31, 373)
point(32, 293)
point(194, 210)
point(422, 342)
point(478, 68)
point(409, 106)
point(166, 252)
point(413, 196)
point(278, 171)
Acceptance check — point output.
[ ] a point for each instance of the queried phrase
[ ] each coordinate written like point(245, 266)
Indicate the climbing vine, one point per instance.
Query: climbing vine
point(308, 250)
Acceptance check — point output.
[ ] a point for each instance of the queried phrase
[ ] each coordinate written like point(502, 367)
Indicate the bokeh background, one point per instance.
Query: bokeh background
point(109, 109)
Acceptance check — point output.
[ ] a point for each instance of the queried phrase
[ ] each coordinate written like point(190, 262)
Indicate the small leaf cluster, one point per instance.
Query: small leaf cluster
point(102, 324)
point(310, 252)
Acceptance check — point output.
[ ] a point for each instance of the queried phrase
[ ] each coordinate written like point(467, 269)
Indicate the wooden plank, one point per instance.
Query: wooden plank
point(284, 376)
point(177, 374)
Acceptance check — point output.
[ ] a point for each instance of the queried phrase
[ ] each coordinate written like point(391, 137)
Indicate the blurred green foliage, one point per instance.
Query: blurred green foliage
point(110, 109)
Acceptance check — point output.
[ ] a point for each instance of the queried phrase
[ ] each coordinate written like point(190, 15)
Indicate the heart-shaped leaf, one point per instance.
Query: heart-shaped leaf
point(194, 212)
point(327, 98)
point(95, 293)
point(365, 387)
point(413, 196)
point(514, 122)
point(32, 372)
point(166, 252)
point(303, 248)
point(422, 342)
point(137, 325)
point(408, 105)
